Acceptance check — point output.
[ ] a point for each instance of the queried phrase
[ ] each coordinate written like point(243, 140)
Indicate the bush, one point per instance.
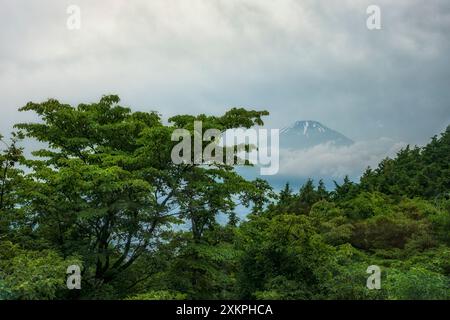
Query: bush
point(417, 284)
point(33, 275)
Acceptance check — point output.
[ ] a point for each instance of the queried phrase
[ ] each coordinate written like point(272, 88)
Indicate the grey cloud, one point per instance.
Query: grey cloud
point(298, 59)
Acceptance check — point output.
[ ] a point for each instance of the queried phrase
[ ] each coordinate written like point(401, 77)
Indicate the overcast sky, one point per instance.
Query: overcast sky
point(301, 60)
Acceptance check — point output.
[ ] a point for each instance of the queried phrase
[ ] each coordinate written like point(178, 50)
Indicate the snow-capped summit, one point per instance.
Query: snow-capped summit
point(305, 134)
point(304, 126)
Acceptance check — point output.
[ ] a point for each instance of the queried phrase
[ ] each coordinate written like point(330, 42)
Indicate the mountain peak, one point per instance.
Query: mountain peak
point(306, 126)
point(307, 133)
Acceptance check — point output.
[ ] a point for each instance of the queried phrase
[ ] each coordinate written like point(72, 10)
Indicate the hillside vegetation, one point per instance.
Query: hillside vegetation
point(104, 195)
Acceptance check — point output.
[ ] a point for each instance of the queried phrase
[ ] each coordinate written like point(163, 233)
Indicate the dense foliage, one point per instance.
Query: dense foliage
point(103, 193)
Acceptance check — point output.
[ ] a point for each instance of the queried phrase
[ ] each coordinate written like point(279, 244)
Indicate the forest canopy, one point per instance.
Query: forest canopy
point(102, 193)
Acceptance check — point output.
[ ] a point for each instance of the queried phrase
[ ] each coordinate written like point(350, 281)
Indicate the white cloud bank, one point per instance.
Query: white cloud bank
point(328, 160)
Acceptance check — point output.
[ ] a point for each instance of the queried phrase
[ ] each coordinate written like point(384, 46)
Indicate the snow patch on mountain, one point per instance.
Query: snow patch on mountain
point(309, 133)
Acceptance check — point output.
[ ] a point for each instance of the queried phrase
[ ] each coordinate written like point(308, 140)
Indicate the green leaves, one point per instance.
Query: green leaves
point(415, 171)
point(106, 189)
point(284, 257)
point(32, 275)
point(234, 118)
point(417, 283)
point(104, 193)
